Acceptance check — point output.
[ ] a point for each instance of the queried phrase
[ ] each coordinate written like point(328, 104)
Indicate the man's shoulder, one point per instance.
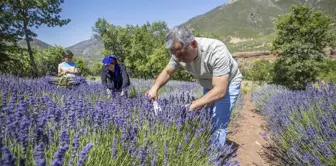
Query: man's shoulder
point(61, 64)
point(210, 45)
point(73, 63)
point(208, 42)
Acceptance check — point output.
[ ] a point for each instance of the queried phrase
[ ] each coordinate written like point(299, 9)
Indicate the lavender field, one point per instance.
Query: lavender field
point(302, 124)
point(45, 125)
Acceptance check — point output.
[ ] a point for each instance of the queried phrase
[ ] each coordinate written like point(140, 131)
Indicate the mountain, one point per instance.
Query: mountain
point(89, 49)
point(250, 18)
point(35, 43)
point(244, 20)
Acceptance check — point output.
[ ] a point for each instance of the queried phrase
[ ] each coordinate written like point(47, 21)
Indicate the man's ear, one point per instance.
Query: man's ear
point(194, 43)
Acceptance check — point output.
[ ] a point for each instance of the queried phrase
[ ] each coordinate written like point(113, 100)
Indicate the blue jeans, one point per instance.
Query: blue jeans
point(221, 112)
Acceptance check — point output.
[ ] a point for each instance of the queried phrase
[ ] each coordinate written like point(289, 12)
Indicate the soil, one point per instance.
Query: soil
point(248, 137)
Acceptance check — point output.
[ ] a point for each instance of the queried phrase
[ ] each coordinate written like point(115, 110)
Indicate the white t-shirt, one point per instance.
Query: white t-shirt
point(214, 59)
point(68, 66)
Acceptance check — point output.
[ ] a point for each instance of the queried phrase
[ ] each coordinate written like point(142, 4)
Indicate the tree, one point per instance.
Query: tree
point(8, 38)
point(114, 38)
point(33, 13)
point(301, 37)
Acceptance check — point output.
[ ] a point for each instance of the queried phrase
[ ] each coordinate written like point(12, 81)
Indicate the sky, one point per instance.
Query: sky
point(84, 14)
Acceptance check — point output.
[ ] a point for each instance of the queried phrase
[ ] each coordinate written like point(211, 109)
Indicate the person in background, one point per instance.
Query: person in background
point(114, 76)
point(211, 63)
point(68, 67)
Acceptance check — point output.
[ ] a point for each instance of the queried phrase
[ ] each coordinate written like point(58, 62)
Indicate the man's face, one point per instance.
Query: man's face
point(68, 58)
point(185, 54)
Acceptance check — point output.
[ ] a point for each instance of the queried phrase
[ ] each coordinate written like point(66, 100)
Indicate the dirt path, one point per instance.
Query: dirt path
point(248, 136)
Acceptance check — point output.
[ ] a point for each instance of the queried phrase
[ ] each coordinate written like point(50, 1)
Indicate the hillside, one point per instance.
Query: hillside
point(88, 49)
point(248, 25)
point(245, 19)
point(35, 43)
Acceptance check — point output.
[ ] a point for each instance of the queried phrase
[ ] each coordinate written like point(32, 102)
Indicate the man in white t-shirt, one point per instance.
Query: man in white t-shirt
point(211, 63)
point(68, 67)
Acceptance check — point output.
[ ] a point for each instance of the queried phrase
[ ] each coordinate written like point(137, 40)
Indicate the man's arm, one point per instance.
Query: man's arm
point(59, 71)
point(220, 85)
point(75, 70)
point(164, 76)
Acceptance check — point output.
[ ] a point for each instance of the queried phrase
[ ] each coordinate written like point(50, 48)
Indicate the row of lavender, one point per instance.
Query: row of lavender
point(302, 124)
point(45, 125)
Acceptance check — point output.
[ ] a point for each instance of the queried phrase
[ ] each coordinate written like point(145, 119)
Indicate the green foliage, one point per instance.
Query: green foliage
point(17, 64)
point(140, 48)
point(23, 15)
point(47, 60)
point(132, 93)
point(302, 35)
point(83, 66)
point(295, 74)
point(114, 38)
point(96, 69)
point(261, 71)
point(328, 71)
point(7, 39)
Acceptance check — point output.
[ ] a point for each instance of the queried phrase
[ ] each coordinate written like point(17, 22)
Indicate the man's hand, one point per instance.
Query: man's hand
point(64, 72)
point(193, 107)
point(152, 94)
point(162, 79)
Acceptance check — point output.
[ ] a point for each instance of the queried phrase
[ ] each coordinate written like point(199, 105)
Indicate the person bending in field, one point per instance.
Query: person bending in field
point(68, 67)
point(211, 63)
point(114, 76)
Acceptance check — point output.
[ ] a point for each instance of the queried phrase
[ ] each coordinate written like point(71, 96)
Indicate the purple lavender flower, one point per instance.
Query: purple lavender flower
point(114, 149)
point(153, 162)
point(84, 154)
point(76, 145)
point(59, 156)
point(64, 138)
point(39, 155)
point(9, 159)
point(165, 162)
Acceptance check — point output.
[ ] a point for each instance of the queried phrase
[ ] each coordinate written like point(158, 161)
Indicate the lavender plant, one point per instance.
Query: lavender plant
point(45, 125)
point(303, 125)
point(261, 95)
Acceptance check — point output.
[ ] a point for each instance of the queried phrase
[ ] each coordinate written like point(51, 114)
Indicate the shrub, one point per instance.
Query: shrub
point(261, 71)
point(302, 125)
point(301, 37)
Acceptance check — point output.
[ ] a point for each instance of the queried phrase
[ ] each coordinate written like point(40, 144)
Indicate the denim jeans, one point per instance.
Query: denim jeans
point(221, 112)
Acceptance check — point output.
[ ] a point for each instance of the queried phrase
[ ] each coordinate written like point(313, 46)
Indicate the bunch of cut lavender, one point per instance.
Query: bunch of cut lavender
point(302, 124)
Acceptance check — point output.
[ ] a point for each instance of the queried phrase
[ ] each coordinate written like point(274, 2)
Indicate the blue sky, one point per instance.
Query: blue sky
point(84, 13)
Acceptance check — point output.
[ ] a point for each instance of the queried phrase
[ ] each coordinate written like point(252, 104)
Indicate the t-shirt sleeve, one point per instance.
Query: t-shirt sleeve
point(221, 61)
point(174, 63)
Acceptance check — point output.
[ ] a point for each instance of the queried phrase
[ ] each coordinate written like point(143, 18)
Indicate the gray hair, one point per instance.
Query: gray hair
point(179, 34)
